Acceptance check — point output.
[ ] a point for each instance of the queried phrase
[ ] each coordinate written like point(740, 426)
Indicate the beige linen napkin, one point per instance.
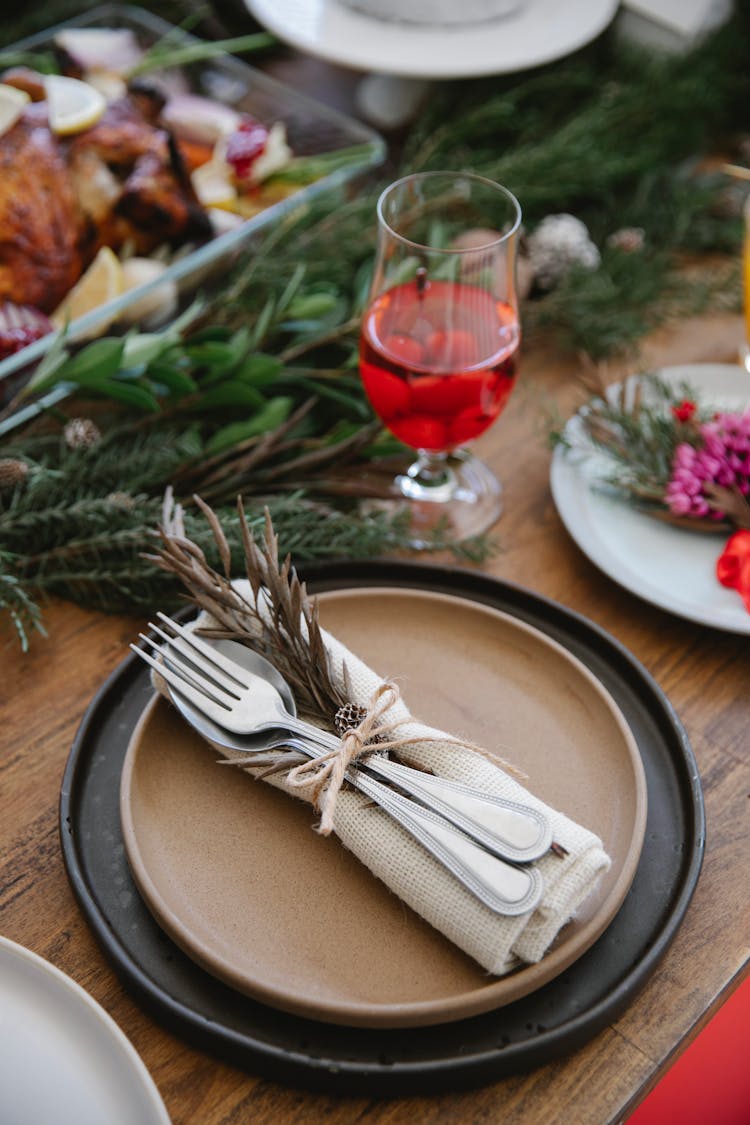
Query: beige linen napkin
point(498, 943)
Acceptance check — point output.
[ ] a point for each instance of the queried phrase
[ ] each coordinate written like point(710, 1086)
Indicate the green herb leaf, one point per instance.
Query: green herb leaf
point(307, 169)
point(129, 393)
point(171, 377)
point(276, 411)
point(46, 374)
point(313, 306)
point(43, 61)
point(352, 402)
point(259, 369)
point(232, 392)
point(94, 363)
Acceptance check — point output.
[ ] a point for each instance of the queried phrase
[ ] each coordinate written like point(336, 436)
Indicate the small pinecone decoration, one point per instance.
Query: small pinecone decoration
point(348, 717)
point(629, 239)
point(557, 244)
point(121, 500)
point(12, 472)
point(81, 433)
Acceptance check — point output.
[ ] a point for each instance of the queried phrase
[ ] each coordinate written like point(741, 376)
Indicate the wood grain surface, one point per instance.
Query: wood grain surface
point(704, 672)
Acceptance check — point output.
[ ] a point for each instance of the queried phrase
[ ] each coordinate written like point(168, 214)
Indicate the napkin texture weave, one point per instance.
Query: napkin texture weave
point(498, 943)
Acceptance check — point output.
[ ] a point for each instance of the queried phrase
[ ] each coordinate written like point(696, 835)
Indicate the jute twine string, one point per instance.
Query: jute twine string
point(323, 777)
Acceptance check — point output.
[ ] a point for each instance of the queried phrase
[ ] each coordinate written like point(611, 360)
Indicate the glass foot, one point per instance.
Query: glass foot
point(454, 497)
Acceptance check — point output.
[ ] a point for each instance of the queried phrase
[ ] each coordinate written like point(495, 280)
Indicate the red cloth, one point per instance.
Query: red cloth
point(710, 1083)
point(733, 566)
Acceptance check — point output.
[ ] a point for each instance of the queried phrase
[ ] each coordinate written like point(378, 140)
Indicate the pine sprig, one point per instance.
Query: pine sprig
point(105, 569)
point(24, 613)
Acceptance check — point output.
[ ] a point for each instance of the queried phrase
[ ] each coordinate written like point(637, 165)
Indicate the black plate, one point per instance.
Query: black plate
point(549, 1023)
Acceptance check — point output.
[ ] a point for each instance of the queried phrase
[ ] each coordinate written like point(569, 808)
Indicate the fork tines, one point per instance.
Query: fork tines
point(189, 665)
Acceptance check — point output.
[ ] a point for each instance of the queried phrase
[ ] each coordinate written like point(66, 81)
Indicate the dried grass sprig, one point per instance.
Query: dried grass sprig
point(279, 620)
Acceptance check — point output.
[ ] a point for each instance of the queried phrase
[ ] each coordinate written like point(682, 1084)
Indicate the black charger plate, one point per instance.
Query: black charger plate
point(549, 1023)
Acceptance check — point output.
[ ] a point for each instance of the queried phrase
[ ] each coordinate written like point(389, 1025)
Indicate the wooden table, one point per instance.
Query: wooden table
point(703, 672)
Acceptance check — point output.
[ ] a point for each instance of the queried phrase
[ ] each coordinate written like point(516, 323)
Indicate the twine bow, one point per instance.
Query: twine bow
point(323, 777)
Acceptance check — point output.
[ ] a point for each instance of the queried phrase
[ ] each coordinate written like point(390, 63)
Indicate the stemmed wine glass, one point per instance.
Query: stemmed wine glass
point(440, 337)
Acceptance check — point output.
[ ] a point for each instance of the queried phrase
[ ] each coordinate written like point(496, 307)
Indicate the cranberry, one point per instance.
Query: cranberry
point(404, 348)
point(388, 394)
point(422, 432)
point(436, 394)
point(20, 325)
point(244, 146)
point(454, 348)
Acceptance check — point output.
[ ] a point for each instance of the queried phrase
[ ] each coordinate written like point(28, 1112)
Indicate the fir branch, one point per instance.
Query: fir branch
point(94, 554)
point(24, 613)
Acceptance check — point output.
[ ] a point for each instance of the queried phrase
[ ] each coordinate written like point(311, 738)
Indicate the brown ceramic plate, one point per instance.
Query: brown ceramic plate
point(233, 872)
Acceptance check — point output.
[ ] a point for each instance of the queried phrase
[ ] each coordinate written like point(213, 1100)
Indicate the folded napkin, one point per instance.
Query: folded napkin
point(498, 943)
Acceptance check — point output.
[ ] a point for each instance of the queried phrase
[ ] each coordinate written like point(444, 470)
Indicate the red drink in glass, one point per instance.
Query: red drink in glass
point(438, 361)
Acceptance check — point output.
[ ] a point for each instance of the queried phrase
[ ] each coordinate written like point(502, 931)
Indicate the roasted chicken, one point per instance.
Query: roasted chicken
point(120, 182)
point(41, 254)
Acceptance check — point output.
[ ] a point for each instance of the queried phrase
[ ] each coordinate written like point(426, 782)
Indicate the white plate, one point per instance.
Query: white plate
point(667, 566)
point(537, 32)
point(62, 1058)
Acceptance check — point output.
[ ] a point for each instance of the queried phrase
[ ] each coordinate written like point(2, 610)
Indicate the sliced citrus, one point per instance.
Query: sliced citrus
point(213, 184)
point(102, 282)
point(73, 105)
point(12, 102)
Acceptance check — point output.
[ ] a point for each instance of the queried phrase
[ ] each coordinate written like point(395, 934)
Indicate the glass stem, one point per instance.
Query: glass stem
point(430, 477)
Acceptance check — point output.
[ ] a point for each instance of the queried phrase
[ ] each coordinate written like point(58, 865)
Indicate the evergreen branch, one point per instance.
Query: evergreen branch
point(24, 613)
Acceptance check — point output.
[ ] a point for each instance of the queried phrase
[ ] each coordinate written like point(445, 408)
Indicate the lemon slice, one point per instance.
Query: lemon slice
point(12, 102)
point(73, 105)
point(102, 282)
point(213, 185)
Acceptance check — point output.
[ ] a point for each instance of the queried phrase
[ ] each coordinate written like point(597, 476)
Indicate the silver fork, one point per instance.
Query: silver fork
point(248, 694)
point(503, 887)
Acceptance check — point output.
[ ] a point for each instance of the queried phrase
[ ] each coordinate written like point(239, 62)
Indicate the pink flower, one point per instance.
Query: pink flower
point(722, 458)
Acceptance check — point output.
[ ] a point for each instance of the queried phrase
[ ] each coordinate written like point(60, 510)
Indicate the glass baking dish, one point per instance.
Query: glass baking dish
point(312, 129)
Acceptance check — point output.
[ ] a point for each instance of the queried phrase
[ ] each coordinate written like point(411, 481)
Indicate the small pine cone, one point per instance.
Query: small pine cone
point(557, 244)
point(629, 239)
point(12, 472)
point(121, 500)
point(81, 433)
point(348, 717)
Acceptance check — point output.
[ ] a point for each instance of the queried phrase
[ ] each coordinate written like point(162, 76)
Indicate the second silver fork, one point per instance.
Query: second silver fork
point(505, 888)
point(247, 694)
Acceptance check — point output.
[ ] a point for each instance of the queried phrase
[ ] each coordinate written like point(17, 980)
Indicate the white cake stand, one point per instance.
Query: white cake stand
point(538, 31)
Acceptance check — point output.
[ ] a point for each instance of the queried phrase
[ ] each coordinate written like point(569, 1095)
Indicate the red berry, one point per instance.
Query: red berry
point(437, 394)
point(244, 146)
point(452, 349)
point(467, 425)
point(422, 432)
point(685, 411)
point(20, 325)
point(404, 348)
point(388, 394)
